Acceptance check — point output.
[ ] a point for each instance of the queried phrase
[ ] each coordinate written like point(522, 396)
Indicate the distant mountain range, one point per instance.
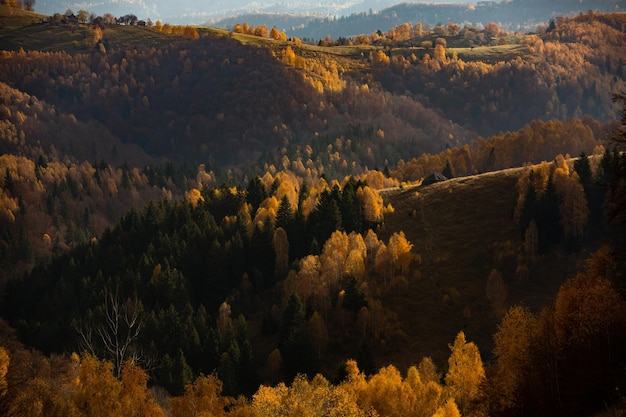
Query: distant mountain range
point(513, 15)
point(198, 11)
point(318, 19)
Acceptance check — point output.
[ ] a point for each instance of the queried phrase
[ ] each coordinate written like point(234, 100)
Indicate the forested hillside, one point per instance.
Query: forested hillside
point(516, 15)
point(200, 221)
point(235, 104)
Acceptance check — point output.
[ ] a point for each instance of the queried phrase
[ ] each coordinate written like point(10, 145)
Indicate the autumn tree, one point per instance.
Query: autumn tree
point(383, 390)
point(274, 33)
point(418, 30)
point(563, 359)
point(512, 346)
point(289, 56)
point(303, 398)
point(465, 372)
point(453, 29)
point(439, 53)
point(372, 204)
point(194, 196)
point(449, 409)
point(333, 260)
point(202, 398)
point(98, 390)
point(135, 398)
point(83, 16)
point(379, 58)
point(492, 30)
point(400, 250)
point(355, 265)
point(262, 31)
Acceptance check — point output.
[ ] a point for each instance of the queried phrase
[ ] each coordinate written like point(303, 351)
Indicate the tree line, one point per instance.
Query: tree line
point(218, 251)
point(545, 363)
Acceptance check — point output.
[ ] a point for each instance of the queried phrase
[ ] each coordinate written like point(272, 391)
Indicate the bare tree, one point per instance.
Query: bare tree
point(111, 332)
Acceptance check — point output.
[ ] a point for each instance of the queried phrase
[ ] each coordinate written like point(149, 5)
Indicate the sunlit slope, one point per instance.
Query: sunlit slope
point(462, 229)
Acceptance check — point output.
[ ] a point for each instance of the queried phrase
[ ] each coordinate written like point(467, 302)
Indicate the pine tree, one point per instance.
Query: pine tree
point(284, 215)
point(354, 298)
point(295, 344)
point(255, 193)
point(447, 170)
point(583, 168)
point(326, 218)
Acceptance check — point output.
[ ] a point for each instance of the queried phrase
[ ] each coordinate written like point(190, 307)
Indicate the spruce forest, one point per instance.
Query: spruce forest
point(426, 220)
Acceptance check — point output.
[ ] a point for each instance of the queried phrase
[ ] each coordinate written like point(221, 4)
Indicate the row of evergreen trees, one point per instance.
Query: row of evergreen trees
point(541, 203)
point(163, 273)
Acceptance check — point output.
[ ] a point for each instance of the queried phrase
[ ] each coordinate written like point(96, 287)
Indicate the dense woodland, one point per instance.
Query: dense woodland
point(219, 225)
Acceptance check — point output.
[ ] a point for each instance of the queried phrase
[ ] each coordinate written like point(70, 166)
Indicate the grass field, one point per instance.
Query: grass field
point(79, 38)
point(462, 229)
point(12, 18)
point(491, 54)
point(21, 29)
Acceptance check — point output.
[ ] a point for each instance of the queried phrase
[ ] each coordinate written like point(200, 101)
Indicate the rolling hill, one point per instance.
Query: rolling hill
point(463, 229)
point(258, 202)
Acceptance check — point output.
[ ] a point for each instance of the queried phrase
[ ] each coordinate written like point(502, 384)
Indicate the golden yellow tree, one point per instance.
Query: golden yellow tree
point(512, 349)
point(465, 372)
point(194, 196)
point(203, 398)
point(333, 259)
point(372, 204)
point(428, 370)
point(449, 409)
point(268, 401)
point(135, 399)
point(380, 58)
point(261, 31)
point(43, 397)
point(289, 56)
point(400, 250)
point(355, 266)
point(306, 282)
point(97, 391)
point(439, 53)
point(274, 33)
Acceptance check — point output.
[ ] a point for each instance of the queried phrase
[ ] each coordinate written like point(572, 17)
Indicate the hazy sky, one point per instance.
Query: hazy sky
point(220, 8)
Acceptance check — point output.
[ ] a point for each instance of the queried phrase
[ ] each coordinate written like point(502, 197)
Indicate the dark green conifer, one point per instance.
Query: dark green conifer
point(284, 216)
point(255, 193)
point(295, 344)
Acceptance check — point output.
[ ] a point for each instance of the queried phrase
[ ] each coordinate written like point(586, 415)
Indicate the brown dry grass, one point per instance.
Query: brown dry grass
point(462, 229)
